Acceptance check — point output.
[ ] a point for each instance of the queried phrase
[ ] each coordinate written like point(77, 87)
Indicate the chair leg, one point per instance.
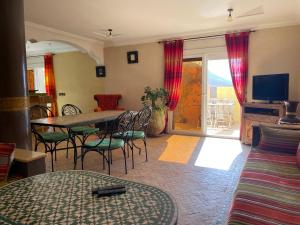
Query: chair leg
point(128, 155)
point(84, 137)
point(132, 160)
point(108, 163)
point(103, 161)
point(145, 144)
point(67, 155)
point(140, 150)
point(75, 151)
point(52, 160)
point(134, 145)
point(35, 145)
point(124, 154)
point(110, 157)
point(82, 157)
point(54, 151)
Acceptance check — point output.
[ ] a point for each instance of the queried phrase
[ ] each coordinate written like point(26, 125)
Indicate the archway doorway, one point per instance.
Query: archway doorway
point(74, 71)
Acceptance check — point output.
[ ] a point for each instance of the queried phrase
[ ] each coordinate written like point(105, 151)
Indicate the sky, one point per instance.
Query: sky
point(220, 68)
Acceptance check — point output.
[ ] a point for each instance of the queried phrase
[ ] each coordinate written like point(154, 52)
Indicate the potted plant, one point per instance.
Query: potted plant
point(156, 98)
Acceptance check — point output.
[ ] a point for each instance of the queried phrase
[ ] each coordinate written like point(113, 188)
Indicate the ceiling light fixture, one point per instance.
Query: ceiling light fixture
point(229, 18)
point(109, 35)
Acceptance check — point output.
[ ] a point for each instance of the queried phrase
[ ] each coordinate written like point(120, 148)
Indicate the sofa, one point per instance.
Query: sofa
point(6, 158)
point(269, 187)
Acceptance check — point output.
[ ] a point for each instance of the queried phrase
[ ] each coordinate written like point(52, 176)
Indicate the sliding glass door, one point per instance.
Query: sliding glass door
point(208, 105)
point(222, 110)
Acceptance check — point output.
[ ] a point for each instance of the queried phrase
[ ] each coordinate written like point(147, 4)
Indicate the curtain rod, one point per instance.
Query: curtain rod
point(202, 37)
point(34, 56)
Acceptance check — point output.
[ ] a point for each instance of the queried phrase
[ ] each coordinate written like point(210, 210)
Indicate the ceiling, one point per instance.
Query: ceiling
point(149, 20)
point(44, 47)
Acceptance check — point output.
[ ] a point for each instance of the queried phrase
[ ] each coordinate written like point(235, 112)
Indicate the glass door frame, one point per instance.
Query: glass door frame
point(207, 57)
point(206, 54)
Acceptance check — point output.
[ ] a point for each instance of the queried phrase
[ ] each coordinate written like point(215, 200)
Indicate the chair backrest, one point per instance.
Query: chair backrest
point(40, 111)
point(70, 109)
point(6, 157)
point(120, 125)
point(142, 118)
point(108, 102)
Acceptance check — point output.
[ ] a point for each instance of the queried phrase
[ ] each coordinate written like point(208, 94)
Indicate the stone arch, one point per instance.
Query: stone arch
point(92, 47)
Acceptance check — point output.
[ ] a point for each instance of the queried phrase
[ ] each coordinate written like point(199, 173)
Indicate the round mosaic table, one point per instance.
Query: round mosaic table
point(65, 198)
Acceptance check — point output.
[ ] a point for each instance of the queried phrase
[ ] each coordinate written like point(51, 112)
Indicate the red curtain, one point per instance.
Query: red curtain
point(50, 82)
point(237, 49)
point(173, 51)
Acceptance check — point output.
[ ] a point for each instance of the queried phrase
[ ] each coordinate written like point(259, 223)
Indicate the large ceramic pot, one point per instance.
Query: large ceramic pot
point(157, 123)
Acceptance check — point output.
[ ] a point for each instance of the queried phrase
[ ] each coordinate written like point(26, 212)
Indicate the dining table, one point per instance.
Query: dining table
point(77, 120)
point(70, 121)
point(65, 197)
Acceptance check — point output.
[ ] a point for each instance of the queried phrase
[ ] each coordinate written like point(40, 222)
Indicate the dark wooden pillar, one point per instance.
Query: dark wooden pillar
point(14, 101)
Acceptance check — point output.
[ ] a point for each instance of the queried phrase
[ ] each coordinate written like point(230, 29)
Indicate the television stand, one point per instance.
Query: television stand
point(256, 113)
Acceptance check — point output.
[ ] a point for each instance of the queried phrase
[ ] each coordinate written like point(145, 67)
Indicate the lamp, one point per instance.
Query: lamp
point(229, 18)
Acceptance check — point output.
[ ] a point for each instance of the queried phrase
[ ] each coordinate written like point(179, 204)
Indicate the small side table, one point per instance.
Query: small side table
point(28, 163)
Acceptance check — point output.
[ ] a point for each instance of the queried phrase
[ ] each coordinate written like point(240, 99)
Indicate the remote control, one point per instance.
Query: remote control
point(111, 192)
point(112, 187)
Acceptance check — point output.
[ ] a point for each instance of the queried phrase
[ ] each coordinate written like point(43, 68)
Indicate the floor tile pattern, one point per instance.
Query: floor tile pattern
point(203, 194)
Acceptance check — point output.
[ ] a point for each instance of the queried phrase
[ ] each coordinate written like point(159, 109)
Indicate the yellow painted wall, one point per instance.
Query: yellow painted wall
point(75, 75)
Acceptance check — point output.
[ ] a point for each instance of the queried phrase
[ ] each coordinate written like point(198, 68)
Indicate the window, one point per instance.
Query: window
point(39, 80)
point(36, 74)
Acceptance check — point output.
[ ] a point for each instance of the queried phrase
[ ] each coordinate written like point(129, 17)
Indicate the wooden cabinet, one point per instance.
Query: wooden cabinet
point(255, 113)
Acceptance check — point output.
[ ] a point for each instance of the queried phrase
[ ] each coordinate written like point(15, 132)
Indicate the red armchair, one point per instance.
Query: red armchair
point(6, 158)
point(107, 102)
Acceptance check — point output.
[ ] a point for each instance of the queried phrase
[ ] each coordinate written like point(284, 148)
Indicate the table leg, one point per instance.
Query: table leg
point(72, 137)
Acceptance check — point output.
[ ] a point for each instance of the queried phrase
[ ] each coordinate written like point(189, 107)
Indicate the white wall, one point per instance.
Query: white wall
point(42, 33)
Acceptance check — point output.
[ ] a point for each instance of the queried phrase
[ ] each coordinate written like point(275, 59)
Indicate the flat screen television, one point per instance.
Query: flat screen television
point(273, 87)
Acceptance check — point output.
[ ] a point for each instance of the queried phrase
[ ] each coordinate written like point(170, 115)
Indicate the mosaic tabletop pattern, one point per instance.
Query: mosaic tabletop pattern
point(65, 198)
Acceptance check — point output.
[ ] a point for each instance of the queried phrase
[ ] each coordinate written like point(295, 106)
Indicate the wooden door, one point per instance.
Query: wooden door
point(30, 80)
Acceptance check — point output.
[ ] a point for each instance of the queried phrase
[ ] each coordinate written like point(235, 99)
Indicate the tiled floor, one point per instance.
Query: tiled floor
point(201, 173)
point(232, 132)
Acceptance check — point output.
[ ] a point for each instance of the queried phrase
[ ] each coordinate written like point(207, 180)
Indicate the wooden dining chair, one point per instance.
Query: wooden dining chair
point(80, 132)
point(107, 143)
point(6, 158)
point(51, 138)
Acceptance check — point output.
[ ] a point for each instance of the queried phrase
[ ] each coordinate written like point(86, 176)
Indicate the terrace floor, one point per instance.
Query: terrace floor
point(200, 173)
point(230, 132)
